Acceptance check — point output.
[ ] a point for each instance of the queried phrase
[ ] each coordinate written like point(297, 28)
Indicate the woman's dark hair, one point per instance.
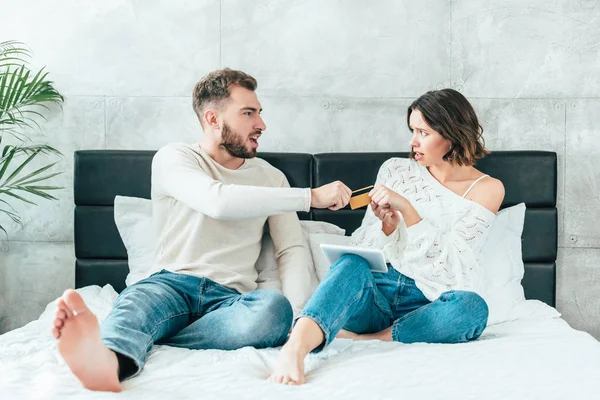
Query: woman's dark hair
point(448, 112)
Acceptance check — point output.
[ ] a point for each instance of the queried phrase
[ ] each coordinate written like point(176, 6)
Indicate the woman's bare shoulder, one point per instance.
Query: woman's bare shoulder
point(489, 192)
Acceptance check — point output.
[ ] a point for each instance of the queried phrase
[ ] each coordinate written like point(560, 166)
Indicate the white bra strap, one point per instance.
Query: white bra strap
point(473, 184)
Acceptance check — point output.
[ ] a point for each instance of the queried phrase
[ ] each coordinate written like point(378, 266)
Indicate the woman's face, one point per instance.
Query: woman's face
point(429, 146)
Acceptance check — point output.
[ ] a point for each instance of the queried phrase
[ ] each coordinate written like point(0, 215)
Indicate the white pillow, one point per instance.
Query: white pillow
point(531, 309)
point(133, 217)
point(311, 227)
point(266, 264)
point(321, 263)
point(502, 262)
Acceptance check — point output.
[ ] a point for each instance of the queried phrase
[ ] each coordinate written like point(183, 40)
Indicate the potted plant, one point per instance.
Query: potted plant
point(24, 96)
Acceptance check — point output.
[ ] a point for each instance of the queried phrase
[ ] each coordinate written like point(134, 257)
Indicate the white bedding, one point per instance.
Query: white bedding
point(535, 357)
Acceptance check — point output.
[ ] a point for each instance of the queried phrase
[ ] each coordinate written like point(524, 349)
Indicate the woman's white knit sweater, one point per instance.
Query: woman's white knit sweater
point(442, 251)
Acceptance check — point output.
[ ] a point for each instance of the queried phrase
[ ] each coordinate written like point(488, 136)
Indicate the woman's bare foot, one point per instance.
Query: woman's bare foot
point(289, 368)
point(78, 334)
point(343, 334)
point(385, 335)
point(305, 337)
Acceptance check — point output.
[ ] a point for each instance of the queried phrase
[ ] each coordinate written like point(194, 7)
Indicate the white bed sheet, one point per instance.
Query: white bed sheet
point(535, 357)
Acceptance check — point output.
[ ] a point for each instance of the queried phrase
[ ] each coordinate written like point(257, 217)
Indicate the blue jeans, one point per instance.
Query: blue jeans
point(353, 298)
point(196, 313)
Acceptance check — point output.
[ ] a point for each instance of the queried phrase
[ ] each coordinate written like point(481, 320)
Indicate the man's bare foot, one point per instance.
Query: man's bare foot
point(289, 368)
point(385, 335)
point(343, 334)
point(78, 334)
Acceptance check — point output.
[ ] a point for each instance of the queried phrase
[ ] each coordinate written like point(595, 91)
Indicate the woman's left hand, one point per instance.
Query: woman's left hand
point(386, 197)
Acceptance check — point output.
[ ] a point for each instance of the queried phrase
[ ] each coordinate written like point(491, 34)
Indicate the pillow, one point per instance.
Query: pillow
point(502, 262)
point(266, 264)
point(311, 227)
point(321, 263)
point(531, 309)
point(133, 217)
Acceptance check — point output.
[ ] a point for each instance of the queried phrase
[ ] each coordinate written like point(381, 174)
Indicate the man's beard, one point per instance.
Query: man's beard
point(235, 145)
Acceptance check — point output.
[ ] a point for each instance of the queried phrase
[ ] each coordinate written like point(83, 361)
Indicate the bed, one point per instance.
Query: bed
point(535, 355)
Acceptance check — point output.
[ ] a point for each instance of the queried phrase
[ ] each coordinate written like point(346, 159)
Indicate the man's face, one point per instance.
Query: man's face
point(242, 124)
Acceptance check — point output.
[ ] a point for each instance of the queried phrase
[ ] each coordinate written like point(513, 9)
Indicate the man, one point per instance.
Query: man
point(210, 203)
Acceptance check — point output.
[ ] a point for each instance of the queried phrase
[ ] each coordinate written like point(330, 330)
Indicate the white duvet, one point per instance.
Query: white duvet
point(537, 356)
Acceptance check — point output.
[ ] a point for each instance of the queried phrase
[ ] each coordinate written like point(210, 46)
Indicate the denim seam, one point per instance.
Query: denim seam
point(389, 312)
point(352, 302)
point(151, 341)
point(399, 289)
point(395, 330)
point(201, 291)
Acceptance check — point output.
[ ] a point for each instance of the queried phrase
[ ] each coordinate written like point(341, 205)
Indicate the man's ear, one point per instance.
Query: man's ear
point(211, 119)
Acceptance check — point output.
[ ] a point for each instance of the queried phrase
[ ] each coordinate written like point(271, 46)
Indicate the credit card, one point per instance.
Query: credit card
point(360, 198)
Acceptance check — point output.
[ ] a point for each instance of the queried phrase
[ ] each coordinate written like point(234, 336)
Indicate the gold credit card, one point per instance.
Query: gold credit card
point(360, 198)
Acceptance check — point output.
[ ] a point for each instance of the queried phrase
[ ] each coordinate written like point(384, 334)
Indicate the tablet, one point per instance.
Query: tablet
point(375, 257)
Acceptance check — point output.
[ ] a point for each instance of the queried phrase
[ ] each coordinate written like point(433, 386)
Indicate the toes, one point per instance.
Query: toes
point(63, 306)
point(58, 323)
point(56, 332)
point(275, 378)
point(60, 314)
point(286, 380)
point(75, 302)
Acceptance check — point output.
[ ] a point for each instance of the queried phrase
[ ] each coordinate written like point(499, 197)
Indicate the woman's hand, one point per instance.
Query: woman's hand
point(384, 198)
point(390, 218)
point(387, 198)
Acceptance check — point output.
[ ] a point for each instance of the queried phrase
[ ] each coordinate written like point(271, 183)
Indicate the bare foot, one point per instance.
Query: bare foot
point(78, 334)
point(385, 335)
point(343, 334)
point(289, 369)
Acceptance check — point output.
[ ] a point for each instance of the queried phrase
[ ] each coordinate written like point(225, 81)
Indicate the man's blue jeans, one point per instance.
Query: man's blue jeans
point(353, 298)
point(196, 313)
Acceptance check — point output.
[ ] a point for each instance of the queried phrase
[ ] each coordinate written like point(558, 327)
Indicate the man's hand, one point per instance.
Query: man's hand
point(334, 195)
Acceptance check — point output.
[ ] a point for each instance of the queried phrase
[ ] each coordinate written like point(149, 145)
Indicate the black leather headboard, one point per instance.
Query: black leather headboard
point(100, 175)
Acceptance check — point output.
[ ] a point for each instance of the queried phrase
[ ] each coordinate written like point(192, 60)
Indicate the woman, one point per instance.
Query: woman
point(431, 215)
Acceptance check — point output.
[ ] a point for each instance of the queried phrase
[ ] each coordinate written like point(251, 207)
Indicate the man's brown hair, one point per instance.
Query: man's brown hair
point(448, 112)
point(213, 89)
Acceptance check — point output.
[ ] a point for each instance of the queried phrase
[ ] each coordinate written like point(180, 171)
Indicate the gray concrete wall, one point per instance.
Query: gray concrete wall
point(333, 76)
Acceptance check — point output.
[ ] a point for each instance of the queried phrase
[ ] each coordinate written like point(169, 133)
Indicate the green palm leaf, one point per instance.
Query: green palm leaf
point(20, 167)
point(22, 92)
point(16, 196)
point(24, 96)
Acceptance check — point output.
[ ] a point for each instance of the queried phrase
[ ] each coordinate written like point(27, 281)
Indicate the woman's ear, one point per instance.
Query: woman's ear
point(449, 154)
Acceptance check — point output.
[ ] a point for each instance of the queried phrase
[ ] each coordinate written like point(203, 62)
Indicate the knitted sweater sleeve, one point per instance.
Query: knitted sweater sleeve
point(449, 257)
point(369, 234)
